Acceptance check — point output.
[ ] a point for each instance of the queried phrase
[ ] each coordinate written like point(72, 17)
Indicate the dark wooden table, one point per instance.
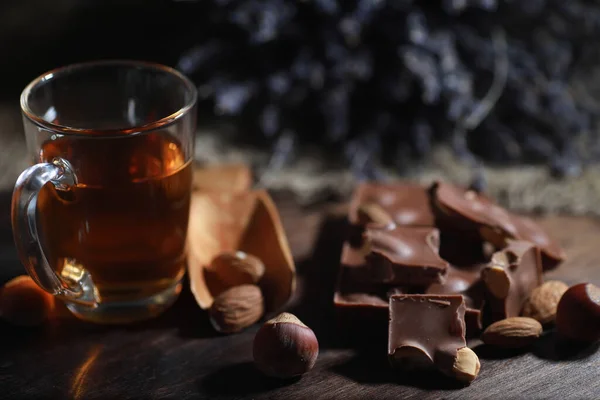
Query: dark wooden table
point(179, 356)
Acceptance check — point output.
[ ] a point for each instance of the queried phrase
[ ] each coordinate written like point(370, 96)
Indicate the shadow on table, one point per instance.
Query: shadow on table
point(241, 379)
point(313, 302)
point(372, 367)
point(551, 347)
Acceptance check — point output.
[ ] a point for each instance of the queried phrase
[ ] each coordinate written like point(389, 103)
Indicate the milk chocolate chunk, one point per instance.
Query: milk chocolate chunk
point(426, 330)
point(510, 277)
point(468, 210)
point(404, 256)
point(477, 214)
point(402, 204)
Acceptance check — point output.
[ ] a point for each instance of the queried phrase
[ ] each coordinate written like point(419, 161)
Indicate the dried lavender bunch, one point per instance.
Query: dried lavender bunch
point(378, 82)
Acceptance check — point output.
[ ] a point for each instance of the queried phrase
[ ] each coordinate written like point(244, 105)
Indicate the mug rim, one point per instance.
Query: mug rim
point(134, 130)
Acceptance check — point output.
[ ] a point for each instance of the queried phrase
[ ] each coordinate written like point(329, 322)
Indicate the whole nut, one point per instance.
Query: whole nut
point(466, 365)
point(512, 333)
point(24, 303)
point(234, 268)
point(284, 347)
point(543, 301)
point(373, 213)
point(578, 313)
point(237, 308)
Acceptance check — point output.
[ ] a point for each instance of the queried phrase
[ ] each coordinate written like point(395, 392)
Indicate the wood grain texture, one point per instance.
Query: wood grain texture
point(179, 356)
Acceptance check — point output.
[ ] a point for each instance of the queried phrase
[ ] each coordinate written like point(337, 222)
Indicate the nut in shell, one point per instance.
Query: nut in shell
point(237, 308)
point(512, 333)
point(578, 313)
point(24, 303)
point(284, 347)
point(543, 301)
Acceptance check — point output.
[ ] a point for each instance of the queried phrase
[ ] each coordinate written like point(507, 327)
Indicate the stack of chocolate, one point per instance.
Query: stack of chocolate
point(436, 264)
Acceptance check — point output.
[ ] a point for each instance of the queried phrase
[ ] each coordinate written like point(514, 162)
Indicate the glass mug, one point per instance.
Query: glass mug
point(100, 220)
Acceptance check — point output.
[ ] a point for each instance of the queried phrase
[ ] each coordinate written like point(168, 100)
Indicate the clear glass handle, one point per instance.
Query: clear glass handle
point(74, 283)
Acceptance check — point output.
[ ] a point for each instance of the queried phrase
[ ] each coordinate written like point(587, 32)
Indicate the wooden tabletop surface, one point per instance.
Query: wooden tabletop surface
point(179, 356)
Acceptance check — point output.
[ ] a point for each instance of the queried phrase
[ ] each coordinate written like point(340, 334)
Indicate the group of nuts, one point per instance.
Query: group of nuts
point(283, 347)
point(575, 311)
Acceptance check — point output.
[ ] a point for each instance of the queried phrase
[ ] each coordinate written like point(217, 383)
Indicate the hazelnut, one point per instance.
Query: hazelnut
point(543, 301)
point(578, 313)
point(284, 347)
point(234, 268)
point(237, 308)
point(24, 303)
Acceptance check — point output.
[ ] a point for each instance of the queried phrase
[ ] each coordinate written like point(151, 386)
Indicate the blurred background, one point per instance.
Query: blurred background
point(503, 95)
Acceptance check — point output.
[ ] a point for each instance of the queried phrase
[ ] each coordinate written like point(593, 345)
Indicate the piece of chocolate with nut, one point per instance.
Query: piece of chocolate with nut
point(404, 256)
point(510, 277)
point(429, 331)
point(404, 204)
point(477, 215)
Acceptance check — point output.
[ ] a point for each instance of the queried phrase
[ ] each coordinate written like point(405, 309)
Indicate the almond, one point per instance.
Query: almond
point(466, 365)
point(233, 268)
point(543, 301)
point(512, 333)
point(373, 213)
point(237, 308)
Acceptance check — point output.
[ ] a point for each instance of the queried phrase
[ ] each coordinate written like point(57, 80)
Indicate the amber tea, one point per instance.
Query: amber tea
point(125, 221)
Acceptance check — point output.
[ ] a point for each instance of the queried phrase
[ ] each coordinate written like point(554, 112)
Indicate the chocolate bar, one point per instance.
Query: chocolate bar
point(425, 330)
point(510, 277)
point(478, 215)
point(404, 256)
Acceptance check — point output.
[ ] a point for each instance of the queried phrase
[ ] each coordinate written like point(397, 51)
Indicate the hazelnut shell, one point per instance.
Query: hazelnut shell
point(578, 313)
point(284, 347)
point(24, 303)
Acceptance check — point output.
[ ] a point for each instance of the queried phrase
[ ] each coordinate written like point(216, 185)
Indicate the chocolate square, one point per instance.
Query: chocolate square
point(425, 329)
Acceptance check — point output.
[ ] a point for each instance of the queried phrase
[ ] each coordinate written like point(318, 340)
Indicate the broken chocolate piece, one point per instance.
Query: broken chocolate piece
point(404, 256)
point(478, 215)
point(426, 330)
point(510, 277)
point(403, 204)
point(465, 281)
point(462, 209)
point(527, 229)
